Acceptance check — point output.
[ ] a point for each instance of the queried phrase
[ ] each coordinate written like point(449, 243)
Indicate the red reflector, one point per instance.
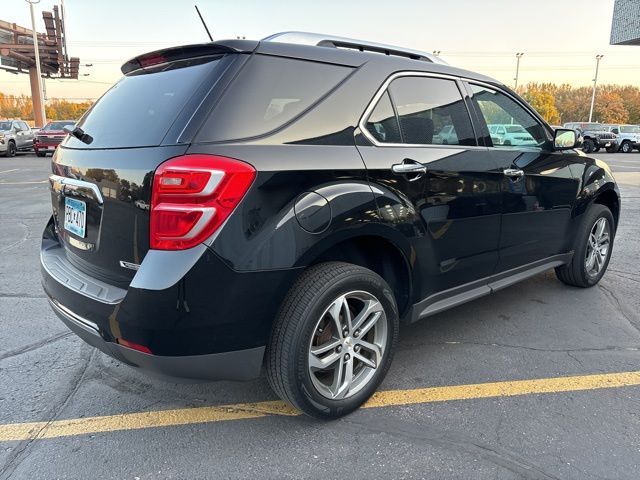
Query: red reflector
point(134, 346)
point(192, 196)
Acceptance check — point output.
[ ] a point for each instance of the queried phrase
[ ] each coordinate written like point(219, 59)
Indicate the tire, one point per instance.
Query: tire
point(41, 154)
point(305, 320)
point(578, 273)
point(588, 146)
point(596, 149)
point(11, 149)
point(612, 149)
point(626, 147)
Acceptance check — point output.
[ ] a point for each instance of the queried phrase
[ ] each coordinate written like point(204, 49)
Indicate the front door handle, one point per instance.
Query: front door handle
point(513, 173)
point(409, 167)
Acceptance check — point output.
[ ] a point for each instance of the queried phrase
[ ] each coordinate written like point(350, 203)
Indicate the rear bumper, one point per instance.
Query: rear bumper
point(236, 365)
point(208, 322)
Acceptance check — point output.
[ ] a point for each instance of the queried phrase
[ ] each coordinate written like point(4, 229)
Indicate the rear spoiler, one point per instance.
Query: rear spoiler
point(187, 51)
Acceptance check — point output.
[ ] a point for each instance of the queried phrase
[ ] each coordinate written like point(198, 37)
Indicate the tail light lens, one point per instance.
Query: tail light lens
point(192, 195)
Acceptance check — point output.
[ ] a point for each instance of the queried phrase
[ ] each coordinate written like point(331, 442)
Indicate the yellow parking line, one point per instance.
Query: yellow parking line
point(244, 411)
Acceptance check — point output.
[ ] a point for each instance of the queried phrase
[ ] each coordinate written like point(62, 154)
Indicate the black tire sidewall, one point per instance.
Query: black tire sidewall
point(11, 149)
point(306, 392)
point(588, 146)
point(595, 212)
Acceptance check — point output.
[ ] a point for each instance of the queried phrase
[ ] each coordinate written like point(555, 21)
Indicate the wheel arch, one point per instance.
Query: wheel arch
point(376, 252)
point(610, 199)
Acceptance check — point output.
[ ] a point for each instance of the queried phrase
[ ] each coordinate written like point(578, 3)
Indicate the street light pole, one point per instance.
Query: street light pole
point(518, 57)
point(595, 83)
point(39, 103)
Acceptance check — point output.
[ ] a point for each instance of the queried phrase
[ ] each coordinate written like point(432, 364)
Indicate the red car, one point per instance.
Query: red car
point(50, 136)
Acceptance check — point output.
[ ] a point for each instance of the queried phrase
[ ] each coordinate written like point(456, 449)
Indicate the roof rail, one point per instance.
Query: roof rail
point(322, 40)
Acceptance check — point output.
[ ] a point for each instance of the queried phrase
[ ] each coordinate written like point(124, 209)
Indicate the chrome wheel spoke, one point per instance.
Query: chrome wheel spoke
point(370, 323)
point(331, 345)
point(367, 361)
point(334, 312)
point(325, 362)
point(599, 227)
point(345, 377)
point(371, 306)
point(375, 349)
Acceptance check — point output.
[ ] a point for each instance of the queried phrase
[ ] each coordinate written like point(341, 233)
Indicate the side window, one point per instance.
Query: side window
point(383, 123)
point(515, 126)
point(24, 126)
point(431, 111)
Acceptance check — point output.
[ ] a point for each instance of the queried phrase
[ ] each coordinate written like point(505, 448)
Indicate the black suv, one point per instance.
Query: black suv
point(291, 202)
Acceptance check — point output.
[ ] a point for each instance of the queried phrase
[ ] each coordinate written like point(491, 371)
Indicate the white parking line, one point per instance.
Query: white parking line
point(12, 170)
point(23, 183)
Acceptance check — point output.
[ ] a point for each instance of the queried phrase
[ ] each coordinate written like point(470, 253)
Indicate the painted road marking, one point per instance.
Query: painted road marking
point(8, 171)
point(24, 183)
point(244, 411)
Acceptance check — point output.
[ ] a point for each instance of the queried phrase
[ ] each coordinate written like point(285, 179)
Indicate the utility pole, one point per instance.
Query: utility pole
point(518, 57)
point(595, 83)
point(40, 116)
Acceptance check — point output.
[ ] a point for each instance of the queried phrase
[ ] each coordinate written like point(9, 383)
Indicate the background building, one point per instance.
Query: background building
point(625, 29)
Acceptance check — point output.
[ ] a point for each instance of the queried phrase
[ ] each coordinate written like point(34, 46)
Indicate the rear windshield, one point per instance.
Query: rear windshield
point(139, 110)
point(57, 126)
point(269, 92)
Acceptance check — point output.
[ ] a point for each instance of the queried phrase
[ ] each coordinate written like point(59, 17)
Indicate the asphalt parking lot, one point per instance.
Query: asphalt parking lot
point(475, 392)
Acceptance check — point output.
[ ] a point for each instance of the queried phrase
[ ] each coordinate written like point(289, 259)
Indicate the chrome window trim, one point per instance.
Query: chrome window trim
point(57, 182)
point(469, 81)
point(525, 106)
point(410, 73)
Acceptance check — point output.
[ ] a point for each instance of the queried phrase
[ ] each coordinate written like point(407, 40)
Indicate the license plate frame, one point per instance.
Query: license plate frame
point(75, 216)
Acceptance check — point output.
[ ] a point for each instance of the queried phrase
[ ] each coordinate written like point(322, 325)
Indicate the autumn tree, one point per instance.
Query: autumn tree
point(540, 96)
point(610, 108)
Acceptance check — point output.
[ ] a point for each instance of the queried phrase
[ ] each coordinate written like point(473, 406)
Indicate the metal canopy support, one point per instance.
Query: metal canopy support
point(18, 54)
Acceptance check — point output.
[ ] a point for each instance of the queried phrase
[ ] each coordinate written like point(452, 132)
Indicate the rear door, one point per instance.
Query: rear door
point(444, 198)
point(538, 187)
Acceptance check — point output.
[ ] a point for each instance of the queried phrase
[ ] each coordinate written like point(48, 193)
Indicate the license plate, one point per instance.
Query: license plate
point(75, 216)
point(51, 148)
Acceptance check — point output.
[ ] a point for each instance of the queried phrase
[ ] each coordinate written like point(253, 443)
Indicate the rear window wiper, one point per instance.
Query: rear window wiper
point(79, 134)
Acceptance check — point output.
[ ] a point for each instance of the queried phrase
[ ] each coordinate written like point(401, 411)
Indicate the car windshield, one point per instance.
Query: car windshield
point(58, 125)
point(515, 129)
point(5, 125)
point(630, 129)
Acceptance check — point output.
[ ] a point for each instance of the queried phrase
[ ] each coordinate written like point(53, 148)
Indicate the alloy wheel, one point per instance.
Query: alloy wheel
point(347, 345)
point(598, 245)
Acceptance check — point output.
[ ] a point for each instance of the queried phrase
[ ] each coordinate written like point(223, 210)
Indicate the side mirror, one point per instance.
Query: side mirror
point(565, 139)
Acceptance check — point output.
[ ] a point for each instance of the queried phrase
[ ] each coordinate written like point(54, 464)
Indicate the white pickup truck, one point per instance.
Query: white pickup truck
point(15, 136)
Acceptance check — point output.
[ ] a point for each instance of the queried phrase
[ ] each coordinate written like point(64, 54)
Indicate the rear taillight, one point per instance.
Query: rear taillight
point(192, 195)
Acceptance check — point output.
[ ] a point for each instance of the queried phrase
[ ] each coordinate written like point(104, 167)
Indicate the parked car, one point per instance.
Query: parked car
point(50, 136)
point(15, 136)
point(628, 137)
point(300, 211)
point(595, 136)
point(510, 134)
point(446, 136)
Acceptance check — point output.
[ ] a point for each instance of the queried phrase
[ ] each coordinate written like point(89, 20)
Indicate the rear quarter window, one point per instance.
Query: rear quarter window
point(269, 92)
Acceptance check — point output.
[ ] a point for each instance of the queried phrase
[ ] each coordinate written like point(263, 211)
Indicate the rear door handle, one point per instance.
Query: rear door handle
point(513, 173)
point(409, 167)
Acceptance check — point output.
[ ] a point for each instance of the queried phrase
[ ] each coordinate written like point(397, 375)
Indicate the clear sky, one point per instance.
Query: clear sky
point(560, 38)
